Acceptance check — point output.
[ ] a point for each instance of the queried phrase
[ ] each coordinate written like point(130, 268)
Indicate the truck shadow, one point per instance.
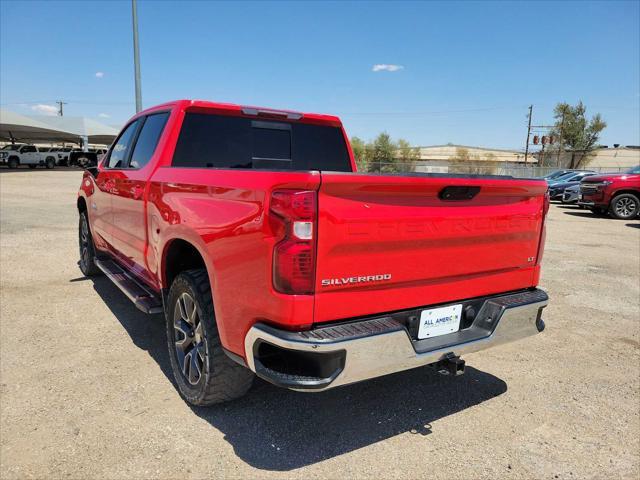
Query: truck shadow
point(275, 429)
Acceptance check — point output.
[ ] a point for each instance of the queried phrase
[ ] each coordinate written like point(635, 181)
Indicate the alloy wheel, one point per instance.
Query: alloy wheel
point(190, 345)
point(625, 207)
point(84, 241)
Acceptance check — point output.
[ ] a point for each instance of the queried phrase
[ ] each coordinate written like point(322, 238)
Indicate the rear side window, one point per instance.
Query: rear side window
point(121, 147)
point(217, 141)
point(148, 139)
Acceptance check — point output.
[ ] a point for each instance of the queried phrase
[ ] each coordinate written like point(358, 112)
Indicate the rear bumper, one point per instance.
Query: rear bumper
point(331, 356)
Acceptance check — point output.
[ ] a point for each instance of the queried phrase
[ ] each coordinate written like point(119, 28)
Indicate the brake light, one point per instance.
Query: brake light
point(294, 255)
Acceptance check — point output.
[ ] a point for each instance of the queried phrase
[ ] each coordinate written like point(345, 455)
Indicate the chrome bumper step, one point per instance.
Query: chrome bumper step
point(380, 346)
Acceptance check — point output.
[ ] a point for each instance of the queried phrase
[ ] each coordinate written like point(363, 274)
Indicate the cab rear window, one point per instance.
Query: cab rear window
point(218, 141)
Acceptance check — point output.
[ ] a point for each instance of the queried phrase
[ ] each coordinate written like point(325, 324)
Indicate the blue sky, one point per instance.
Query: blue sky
point(468, 71)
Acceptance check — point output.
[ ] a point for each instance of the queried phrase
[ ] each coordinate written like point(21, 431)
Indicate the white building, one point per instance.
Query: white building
point(444, 158)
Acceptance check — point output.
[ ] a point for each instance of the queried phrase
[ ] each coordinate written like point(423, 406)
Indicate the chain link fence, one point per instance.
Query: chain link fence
point(514, 170)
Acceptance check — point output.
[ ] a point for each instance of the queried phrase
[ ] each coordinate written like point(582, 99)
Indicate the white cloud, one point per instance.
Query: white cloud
point(45, 109)
point(99, 74)
point(104, 115)
point(384, 67)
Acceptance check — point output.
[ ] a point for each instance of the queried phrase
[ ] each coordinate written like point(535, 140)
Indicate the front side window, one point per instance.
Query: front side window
point(148, 139)
point(120, 148)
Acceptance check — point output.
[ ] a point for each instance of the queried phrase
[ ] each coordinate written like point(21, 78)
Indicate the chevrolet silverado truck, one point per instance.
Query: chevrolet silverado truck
point(615, 193)
point(21, 154)
point(269, 255)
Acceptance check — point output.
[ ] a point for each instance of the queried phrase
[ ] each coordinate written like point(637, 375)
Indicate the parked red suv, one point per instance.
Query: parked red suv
point(268, 254)
point(616, 193)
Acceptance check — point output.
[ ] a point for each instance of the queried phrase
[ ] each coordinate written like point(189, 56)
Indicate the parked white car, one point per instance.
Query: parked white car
point(20, 154)
point(68, 156)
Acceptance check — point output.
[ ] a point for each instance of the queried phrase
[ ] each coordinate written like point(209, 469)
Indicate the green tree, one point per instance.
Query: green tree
point(579, 135)
point(384, 155)
point(381, 154)
point(359, 148)
point(407, 155)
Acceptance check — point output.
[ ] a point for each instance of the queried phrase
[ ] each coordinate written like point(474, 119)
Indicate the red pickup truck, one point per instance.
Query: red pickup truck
point(268, 254)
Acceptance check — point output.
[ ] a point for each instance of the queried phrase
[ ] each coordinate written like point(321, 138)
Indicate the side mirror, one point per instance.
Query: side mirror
point(93, 170)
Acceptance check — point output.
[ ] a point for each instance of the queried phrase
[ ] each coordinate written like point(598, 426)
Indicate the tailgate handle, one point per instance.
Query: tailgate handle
point(457, 193)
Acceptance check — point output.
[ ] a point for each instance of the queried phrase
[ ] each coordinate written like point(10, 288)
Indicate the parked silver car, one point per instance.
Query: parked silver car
point(570, 194)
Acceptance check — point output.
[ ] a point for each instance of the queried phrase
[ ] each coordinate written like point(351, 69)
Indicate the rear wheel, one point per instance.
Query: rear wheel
point(624, 206)
point(50, 163)
point(205, 375)
point(87, 250)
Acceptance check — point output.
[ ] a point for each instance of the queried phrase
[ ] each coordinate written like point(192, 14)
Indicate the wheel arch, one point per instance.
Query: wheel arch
point(179, 255)
point(622, 191)
point(81, 203)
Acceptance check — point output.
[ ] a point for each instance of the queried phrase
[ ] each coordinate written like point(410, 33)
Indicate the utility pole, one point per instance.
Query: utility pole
point(526, 147)
point(136, 55)
point(560, 140)
point(60, 104)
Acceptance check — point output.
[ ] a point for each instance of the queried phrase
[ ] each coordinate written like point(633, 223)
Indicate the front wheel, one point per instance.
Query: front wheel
point(50, 163)
point(205, 375)
point(624, 206)
point(87, 250)
point(13, 163)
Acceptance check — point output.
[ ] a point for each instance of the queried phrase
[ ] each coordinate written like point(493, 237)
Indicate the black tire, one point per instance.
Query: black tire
point(87, 250)
point(624, 206)
point(32, 167)
point(13, 162)
point(50, 163)
point(205, 375)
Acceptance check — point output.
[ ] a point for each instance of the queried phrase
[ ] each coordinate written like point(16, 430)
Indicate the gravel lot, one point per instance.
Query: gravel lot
point(86, 390)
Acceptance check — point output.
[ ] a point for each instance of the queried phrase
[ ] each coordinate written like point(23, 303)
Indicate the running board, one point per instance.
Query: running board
point(141, 297)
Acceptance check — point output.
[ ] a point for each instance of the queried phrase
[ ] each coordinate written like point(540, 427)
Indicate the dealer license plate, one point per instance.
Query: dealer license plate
point(439, 321)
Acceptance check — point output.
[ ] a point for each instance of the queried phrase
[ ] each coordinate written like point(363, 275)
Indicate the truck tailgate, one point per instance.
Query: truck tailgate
point(388, 243)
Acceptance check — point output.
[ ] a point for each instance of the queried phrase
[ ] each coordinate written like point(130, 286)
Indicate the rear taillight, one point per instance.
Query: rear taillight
point(294, 255)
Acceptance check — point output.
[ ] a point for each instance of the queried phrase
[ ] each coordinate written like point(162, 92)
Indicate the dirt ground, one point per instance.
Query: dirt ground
point(86, 390)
